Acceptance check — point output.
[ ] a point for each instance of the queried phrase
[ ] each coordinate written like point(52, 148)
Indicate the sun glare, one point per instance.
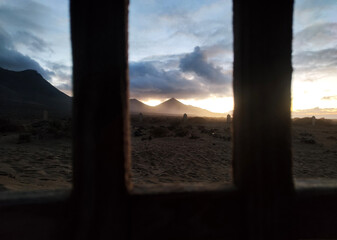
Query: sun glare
point(312, 94)
point(152, 102)
point(217, 105)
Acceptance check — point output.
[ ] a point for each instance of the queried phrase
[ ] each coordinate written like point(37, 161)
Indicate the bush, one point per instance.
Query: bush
point(308, 140)
point(181, 132)
point(197, 120)
point(158, 132)
point(8, 126)
point(24, 138)
point(174, 125)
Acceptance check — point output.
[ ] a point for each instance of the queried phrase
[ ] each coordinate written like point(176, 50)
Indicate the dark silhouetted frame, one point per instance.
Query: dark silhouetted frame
point(262, 203)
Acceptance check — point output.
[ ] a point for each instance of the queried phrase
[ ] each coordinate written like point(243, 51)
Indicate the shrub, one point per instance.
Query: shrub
point(196, 120)
point(8, 126)
point(24, 138)
point(181, 132)
point(158, 132)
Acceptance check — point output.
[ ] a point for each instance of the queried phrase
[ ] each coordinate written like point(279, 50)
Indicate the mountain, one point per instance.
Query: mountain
point(170, 107)
point(26, 94)
point(137, 106)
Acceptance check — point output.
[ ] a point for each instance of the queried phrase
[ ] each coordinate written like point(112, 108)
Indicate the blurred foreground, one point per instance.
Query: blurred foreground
point(36, 155)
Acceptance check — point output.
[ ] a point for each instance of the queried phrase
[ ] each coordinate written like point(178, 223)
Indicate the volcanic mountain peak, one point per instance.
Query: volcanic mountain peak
point(27, 94)
point(170, 107)
point(135, 101)
point(172, 102)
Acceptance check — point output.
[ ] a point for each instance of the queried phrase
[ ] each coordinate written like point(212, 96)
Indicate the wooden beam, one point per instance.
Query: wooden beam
point(101, 154)
point(262, 140)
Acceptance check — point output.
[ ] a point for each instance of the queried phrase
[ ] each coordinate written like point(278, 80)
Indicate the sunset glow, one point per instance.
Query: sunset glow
point(193, 61)
point(152, 102)
point(178, 49)
point(217, 105)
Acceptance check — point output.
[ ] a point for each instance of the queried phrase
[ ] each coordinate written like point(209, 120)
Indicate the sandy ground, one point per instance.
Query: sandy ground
point(188, 152)
point(315, 152)
point(164, 150)
point(204, 153)
point(35, 165)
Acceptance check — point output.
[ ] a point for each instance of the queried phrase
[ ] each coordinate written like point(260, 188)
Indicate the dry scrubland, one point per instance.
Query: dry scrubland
point(167, 149)
point(36, 155)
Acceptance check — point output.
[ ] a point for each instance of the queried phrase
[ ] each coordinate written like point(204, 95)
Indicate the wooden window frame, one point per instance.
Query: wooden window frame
point(263, 202)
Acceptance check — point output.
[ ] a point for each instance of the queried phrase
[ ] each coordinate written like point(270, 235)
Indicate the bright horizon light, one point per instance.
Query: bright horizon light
point(163, 63)
point(152, 102)
point(180, 49)
point(216, 105)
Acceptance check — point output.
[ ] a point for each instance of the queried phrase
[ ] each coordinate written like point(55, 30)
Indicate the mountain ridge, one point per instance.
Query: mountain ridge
point(170, 107)
point(26, 94)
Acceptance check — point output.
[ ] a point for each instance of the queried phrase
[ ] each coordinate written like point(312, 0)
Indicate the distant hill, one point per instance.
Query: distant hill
point(137, 106)
point(170, 107)
point(26, 94)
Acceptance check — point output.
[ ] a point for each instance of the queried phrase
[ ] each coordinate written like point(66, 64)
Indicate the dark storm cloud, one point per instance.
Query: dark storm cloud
point(147, 81)
point(196, 62)
point(33, 42)
point(195, 78)
point(11, 59)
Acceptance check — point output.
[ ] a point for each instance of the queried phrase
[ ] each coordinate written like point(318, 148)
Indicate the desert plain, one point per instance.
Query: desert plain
point(36, 155)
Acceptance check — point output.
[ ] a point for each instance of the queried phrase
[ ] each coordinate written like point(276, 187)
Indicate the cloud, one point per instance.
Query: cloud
point(220, 54)
point(220, 49)
point(192, 77)
point(312, 12)
point(148, 82)
point(11, 59)
point(317, 112)
point(34, 43)
point(313, 65)
point(197, 62)
point(64, 87)
point(316, 59)
point(329, 98)
point(63, 76)
point(310, 5)
point(24, 14)
point(35, 35)
point(316, 37)
point(179, 25)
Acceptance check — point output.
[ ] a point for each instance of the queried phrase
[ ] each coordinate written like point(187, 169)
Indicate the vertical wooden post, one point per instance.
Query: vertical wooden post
point(262, 124)
point(100, 70)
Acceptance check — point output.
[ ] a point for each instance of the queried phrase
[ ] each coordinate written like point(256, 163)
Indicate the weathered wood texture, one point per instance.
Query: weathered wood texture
point(316, 209)
point(35, 215)
point(262, 142)
point(100, 72)
point(196, 214)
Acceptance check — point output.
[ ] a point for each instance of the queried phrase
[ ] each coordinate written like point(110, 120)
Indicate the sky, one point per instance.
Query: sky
point(180, 49)
point(36, 35)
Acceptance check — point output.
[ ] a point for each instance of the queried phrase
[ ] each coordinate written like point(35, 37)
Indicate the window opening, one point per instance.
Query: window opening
point(35, 93)
point(181, 100)
point(314, 89)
